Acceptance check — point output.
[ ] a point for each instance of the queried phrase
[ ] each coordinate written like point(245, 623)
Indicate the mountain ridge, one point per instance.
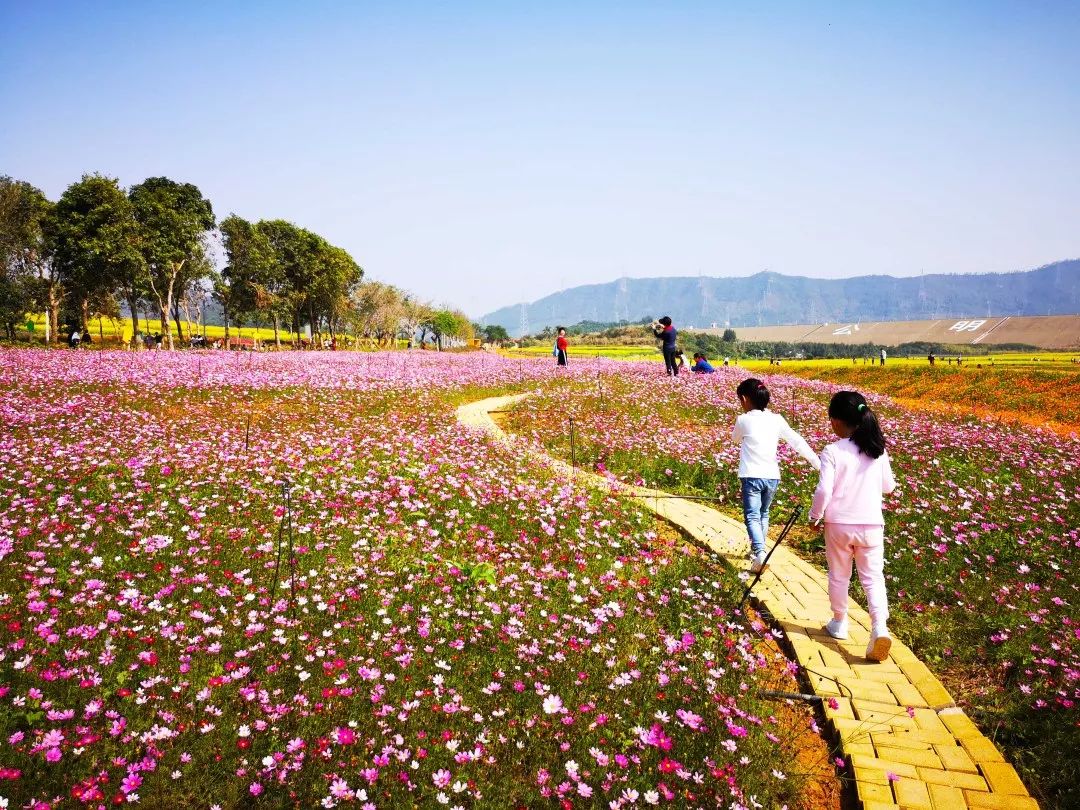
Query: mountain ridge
point(767, 298)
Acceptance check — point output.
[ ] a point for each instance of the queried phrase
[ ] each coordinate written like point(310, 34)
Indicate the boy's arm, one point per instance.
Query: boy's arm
point(737, 432)
point(888, 480)
point(799, 443)
point(823, 492)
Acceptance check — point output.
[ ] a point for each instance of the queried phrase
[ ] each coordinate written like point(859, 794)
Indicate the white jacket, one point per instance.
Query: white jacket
point(758, 433)
point(851, 485)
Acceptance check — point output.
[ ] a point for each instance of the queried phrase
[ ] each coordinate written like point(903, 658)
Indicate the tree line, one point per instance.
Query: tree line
point(99, 248)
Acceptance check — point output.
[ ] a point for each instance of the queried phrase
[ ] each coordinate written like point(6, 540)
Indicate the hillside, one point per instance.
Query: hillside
point(770, 298)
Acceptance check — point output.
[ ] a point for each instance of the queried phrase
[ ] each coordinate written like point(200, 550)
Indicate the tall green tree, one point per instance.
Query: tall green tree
point(336, 274)
point(288, 276)
point(445, 323)
point(26, 278)
point(244, 287)
point(95, 242)
point(174, 222)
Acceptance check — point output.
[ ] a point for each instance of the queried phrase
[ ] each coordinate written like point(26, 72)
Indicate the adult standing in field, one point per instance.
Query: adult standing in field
point(758, 432)
point(668, 335)
point(561, 346)
point(883, 355)
point(855, 474)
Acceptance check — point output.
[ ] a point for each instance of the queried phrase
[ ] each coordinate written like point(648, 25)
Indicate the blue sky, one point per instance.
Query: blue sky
point(485, 154)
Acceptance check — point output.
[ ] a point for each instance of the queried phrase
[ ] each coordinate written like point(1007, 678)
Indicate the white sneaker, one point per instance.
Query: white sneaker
point(757, 563)
point(879, 646)
point(837, 628)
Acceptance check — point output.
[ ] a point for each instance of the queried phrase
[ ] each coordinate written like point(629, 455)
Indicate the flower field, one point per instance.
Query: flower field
point(238, 580)
point(1041, 397)
point(983, 536)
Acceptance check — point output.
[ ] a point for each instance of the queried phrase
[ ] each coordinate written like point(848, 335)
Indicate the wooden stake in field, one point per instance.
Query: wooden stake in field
point(573, 446)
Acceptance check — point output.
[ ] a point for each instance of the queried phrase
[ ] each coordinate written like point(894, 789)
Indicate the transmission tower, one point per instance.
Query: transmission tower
point(524, 324)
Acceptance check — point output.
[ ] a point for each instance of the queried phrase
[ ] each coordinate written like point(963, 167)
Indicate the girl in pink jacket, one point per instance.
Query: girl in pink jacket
point(855, 474)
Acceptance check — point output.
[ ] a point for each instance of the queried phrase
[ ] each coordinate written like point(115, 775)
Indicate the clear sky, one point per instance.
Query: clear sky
point(486, 154)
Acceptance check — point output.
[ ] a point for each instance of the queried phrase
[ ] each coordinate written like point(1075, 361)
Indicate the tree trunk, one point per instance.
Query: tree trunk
point(54, 312)
point(133, 305)
point(277, 331)
point(177, 321)
point(227, 344)
point(168, 304)
point(84, 310)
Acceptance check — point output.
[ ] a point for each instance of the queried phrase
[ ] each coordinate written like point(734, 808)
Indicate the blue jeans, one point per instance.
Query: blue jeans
point(757, 497)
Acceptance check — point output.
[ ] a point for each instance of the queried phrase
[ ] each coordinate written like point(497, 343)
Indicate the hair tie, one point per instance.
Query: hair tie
point(862, 407)
point(760, 386)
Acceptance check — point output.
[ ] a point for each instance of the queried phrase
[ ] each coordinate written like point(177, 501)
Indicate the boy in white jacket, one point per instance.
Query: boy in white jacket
point(758, 432)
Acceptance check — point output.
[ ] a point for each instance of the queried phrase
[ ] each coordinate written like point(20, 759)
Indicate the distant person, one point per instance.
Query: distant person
point(561, 345)
point(883, 356)
point(75, 339)
point(701, 365)
point(931, 358)
point(959, 360)
point(758, 432)
point(667, 333)
point(727, 361)
point(855, 474)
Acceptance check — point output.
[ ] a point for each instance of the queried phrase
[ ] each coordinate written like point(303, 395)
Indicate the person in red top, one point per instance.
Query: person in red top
point(561, 345)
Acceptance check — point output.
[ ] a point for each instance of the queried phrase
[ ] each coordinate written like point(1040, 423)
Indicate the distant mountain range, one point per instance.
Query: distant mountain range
point(767, 299)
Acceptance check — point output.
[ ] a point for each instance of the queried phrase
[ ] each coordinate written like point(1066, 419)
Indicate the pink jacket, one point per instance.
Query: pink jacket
point(851, 485)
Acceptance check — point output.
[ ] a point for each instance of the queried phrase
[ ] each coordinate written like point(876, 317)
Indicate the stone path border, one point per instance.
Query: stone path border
point(909, 745)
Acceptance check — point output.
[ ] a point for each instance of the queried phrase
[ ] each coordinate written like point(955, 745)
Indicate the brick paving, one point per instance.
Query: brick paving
point(909, 745)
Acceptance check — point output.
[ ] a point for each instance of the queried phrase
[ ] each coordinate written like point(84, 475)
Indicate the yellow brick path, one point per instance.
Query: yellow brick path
point(908, 743)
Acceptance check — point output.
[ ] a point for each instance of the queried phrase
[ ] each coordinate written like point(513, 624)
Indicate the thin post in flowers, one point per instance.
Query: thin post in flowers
point(573, 446)
point(286, 522)
point(783, 533)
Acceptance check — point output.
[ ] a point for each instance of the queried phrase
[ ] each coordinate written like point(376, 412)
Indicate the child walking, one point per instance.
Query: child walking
point(855, 473)
point(758, 432)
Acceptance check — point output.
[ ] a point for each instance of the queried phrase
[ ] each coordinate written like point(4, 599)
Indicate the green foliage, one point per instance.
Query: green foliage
point(173, 220)
point(493, 333)
point(446, 323)
point(95, 240)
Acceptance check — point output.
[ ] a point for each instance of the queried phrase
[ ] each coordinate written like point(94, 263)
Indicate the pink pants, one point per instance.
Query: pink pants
point(866, 545)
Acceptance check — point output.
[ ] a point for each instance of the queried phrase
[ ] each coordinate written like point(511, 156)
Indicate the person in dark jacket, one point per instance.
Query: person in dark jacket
point(668, 334)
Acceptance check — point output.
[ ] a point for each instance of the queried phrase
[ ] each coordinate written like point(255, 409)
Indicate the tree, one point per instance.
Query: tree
point(446, 323)
point(246, 284)
point(335, 275)
point(729, 336)
point(494, 333)
point(26, 278)
point(174, 222)
point(95, 242)
point(378, 311)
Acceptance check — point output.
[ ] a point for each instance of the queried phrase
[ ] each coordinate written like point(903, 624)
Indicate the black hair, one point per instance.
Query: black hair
point(666, 321)
point(559, 329)
point(754, 390)
point(850, 408)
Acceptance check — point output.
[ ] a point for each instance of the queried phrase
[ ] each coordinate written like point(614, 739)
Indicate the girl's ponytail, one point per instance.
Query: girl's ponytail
point(850, 407)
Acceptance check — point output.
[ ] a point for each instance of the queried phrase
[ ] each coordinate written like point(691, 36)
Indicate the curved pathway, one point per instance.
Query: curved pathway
point(908, 743)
